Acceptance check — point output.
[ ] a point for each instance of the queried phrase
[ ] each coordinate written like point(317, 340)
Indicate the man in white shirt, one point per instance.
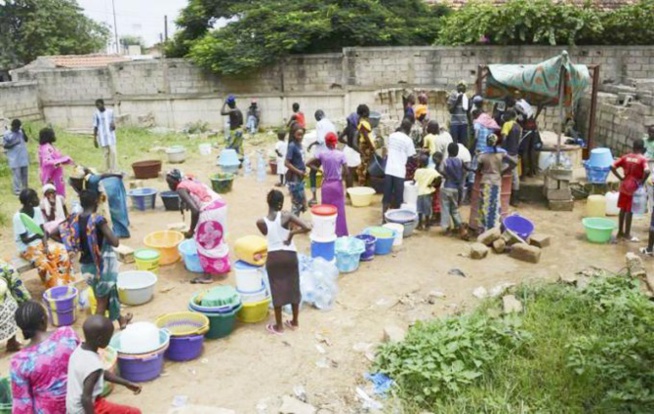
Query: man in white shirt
point(323, 127)
point(400, 147)
point(104, 134)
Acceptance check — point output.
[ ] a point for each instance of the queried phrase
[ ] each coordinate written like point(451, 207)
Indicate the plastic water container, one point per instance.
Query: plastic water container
point(324, 222)
point(248, 278)
point(348, 253)
point(600, 158)
point(261, 168)
point(247, 166)
point(612, 203)
point(228, 161)
point(399, 232)
point(189, 252)
point(323, 248)
point(147, 259)
point(385, 238)
point(596, 206)
point(61, 303)
point(596, 175)
point(640, 201)
point(410, 193)
point(369, 252)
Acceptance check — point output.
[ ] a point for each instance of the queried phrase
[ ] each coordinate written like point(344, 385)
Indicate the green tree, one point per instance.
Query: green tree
point(32, 28)
point(263, 31)
point(130, 40)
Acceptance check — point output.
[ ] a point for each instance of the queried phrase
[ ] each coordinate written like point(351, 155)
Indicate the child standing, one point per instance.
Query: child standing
point(86, 374)
point(296, 172)
point(297, 117)
point(635, 170)
point(14, 141)
point(51, 161)
point(453, 171)
point(280, 149)
point(282, 261)
point(426, 178)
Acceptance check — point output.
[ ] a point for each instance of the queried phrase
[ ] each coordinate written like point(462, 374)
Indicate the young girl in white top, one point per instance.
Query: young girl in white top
point(280, 149)
point(282, 262)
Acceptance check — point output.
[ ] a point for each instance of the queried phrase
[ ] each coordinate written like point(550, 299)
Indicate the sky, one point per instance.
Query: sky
point(143, 18)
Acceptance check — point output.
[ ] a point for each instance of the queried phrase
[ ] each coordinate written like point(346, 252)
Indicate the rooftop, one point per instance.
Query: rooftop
point(76, 61)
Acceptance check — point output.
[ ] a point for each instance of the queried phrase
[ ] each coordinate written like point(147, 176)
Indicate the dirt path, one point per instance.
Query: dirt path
point(252, 368)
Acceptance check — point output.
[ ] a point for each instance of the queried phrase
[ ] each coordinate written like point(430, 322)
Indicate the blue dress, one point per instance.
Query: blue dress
point(117, 199)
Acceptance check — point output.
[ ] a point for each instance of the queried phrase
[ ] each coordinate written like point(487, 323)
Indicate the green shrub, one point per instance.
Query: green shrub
point(570, 351)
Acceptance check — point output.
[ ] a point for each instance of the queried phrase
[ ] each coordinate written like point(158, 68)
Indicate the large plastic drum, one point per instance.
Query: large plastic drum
point(324, 221)
point(410, 193)
point(248, 278)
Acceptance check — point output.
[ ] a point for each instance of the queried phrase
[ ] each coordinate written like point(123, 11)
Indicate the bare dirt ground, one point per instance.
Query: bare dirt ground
point(251, 368)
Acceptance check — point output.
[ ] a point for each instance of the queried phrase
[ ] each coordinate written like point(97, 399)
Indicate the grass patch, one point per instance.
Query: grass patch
point(571, 351)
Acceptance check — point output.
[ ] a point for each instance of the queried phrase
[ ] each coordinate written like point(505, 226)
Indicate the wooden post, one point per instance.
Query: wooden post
point(593, 111)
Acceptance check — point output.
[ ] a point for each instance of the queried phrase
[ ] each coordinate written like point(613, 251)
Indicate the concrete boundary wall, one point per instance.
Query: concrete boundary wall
point(176, 93)
point(20, 100)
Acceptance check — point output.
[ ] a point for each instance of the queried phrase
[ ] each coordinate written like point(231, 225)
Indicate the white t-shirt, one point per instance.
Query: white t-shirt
point(464, 154)
point(525, 109)
point(82, 363)
point(103, 121)
point(281, 147)
point(442, 140)
point(400, 147)
point(19, 228)
point(323, 127)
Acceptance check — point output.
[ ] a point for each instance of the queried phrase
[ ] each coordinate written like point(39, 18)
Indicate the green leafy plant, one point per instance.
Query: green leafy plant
point(571, 350)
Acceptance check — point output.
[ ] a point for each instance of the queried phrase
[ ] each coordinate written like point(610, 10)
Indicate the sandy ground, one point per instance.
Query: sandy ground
point(252, 368)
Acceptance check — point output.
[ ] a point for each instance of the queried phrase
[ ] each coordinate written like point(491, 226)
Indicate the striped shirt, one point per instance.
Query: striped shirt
point(103, 121)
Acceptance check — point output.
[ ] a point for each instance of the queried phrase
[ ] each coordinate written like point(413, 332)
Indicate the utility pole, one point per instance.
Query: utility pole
point(166, 28)
point(113, 6)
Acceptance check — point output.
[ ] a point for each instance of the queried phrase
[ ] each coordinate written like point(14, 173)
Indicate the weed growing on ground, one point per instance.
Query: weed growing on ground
point(571, 351)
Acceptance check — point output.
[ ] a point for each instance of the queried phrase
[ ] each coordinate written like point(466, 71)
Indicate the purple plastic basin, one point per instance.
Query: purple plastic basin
point(184, 348)
point(369, 241)
point(141, 368)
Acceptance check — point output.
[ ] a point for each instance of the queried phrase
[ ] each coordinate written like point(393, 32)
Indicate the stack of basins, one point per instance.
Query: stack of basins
point(141, 347)
point(323, 232)
point(187, 331)
point(220, 304)
point(252, 252)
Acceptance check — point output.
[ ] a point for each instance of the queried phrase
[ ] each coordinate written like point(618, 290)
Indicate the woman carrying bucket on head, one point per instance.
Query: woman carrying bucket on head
point(282, 261)
point(88, 233)
point(208, 219)
point(334, 168)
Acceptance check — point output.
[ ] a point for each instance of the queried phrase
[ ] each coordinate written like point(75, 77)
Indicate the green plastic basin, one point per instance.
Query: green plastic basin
point(598, 229)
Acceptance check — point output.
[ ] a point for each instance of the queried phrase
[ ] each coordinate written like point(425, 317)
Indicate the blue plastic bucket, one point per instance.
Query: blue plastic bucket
point(385, 238)
point(143, 198)
point(189, 252)
point(601, 158)
point(325, 249)
point(519, 225)
point(348, 253)
point(369, 252)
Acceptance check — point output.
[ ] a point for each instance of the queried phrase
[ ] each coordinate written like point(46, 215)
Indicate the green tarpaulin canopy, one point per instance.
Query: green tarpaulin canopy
point(539, 84)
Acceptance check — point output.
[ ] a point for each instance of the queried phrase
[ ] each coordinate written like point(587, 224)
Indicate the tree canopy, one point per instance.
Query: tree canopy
point(32, 28)
point(260, 32)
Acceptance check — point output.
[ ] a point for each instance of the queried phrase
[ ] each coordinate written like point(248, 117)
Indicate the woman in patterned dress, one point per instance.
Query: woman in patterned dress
point(365, 145)
point(12, 294)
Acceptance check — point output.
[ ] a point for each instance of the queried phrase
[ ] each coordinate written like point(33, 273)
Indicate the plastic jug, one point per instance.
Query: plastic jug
point(410, 193)
point(261, 168)
point(596, 206)
point(247, 166)
point(612, 203)
point(640, 201)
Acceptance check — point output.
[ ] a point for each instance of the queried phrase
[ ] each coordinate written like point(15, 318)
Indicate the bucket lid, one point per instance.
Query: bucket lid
point(324, 210)
point(219, 296)
point(147, 254)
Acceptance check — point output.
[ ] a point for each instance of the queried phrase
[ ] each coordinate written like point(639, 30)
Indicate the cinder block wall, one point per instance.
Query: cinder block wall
point(177, 93)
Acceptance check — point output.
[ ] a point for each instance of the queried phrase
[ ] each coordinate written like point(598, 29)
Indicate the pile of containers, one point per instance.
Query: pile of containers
point(252, 252)
point(598, 165)
point(323, 232)
point(187, 331)
point(220, 304)
point(406, 217)
point(141, 347)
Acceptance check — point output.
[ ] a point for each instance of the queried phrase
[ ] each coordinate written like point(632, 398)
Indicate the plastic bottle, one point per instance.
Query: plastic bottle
point(261, 168)
point(226, 130)
point(640, 201)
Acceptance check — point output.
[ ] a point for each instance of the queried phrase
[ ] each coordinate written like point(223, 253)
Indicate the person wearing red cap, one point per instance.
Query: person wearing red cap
point(334, 168)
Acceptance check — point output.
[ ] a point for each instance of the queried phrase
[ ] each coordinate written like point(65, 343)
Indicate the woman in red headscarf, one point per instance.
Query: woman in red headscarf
point(334, 168)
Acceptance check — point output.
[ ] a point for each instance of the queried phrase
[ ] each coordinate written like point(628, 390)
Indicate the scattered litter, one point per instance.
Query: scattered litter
point(367, 401)
point(262, 408)
point(434, 295)
point(320, 349)
point(480, 292)
point(204, 361)
point(366, 348)
point(292, 405)
point(323, 339)
point(592, 271)
point(286, 343)
point(166, 290)
point(300, 393)
point(323, 363)
point(456, 272)
point(381, 382)
point(180, 401)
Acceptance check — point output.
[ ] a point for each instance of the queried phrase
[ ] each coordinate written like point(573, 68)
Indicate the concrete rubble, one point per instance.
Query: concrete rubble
point(526, 253)
point(478, 251)
point(393, 334)
point(489, 236)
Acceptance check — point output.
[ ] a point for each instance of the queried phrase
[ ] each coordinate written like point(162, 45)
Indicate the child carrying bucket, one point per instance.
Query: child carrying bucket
point(282, 261)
